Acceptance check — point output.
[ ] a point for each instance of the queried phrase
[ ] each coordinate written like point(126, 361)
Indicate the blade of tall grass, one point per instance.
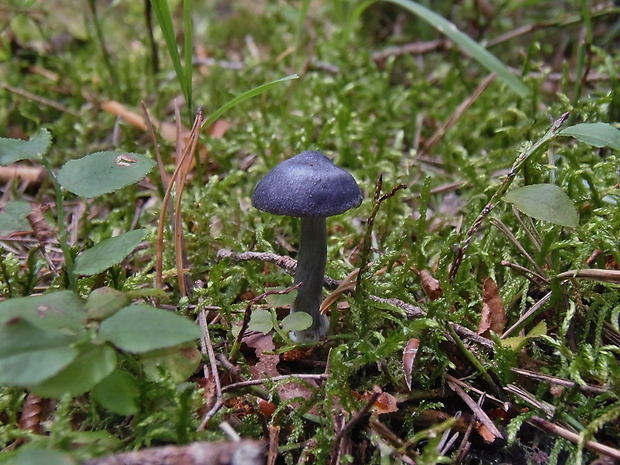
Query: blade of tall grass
point(462, 40)
point(245, 96)
point(188, 32)
point(164, 18)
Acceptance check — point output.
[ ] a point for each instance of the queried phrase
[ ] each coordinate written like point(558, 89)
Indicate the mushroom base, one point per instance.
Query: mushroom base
point(319, 328)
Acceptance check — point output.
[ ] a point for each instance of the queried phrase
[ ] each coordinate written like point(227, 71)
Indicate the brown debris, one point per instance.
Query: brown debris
point(493, 317)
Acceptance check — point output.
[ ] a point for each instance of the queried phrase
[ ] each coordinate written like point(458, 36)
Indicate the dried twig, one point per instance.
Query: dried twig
point(606, 276)
point(254, 382)
point(561, 381)
point(540, 273)
point(575, 438)
point(219, 453)
point(207, 349)
point(414, 48)
point(457, 114)
point(475, 408)
point(526, 316)
point(416, 312)
point(39, 99)
point(352, 422)
point(288, 264)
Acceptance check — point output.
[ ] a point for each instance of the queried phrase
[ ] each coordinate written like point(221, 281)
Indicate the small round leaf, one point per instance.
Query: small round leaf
point(297, 321)
point(118, 392)
point(545, 202)
point(261, 321)
point(90, 367)
point(103, 172)
point(140, 328)
point(108, 252)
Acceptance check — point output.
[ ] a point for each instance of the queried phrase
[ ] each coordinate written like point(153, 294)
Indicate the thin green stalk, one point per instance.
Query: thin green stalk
point(62, 228)
point(114, 81)
point(583, 59)
point(148, 17)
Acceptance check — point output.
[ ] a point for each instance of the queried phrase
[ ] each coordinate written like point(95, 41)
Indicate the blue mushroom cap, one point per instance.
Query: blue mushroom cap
point(307, 185)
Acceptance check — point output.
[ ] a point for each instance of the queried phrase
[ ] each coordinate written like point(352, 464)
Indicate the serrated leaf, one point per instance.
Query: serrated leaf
point(595, 134)
point(539, 330)
point(12, 150)
point(82, 374)
point(108, 252)
point(58, 311)
point(141, 328)
point(545, 202)
point(261, 321)
point(14, 217)
point(518, 342)
point(103, 172)
point(296, 321)
point(118, 392)
point(29, 355)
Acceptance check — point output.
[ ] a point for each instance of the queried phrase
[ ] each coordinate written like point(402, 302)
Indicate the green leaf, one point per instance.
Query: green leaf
point(177, 362)
point(297, 321)
point(466, 44)
point(13, 218)
point(58, 311)
point(280, 300)
point(82, 374)
point(596, 134)
point(118, 393)
point(29, 355)
point(36, 456)
point(103, 172)
point(261, 321)
point(140, 328)
point(108, 252)
point(518, 342)
point(104, 302)
point(545, 202)
point(12, 150)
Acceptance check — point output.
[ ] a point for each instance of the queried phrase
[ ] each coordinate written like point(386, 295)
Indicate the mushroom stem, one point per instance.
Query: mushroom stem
point(310, 271)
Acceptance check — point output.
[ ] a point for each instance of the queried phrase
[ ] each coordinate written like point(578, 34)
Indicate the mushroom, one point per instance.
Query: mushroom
point(311, 187)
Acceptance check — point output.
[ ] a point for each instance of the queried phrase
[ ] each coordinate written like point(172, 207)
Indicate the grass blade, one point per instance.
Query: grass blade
point(164, 18)
point(465, 43)
point(245, 96)
point(188, 31)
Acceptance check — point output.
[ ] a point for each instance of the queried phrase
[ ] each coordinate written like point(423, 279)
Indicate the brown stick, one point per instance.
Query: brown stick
point(220, 453)
point(594, 446)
